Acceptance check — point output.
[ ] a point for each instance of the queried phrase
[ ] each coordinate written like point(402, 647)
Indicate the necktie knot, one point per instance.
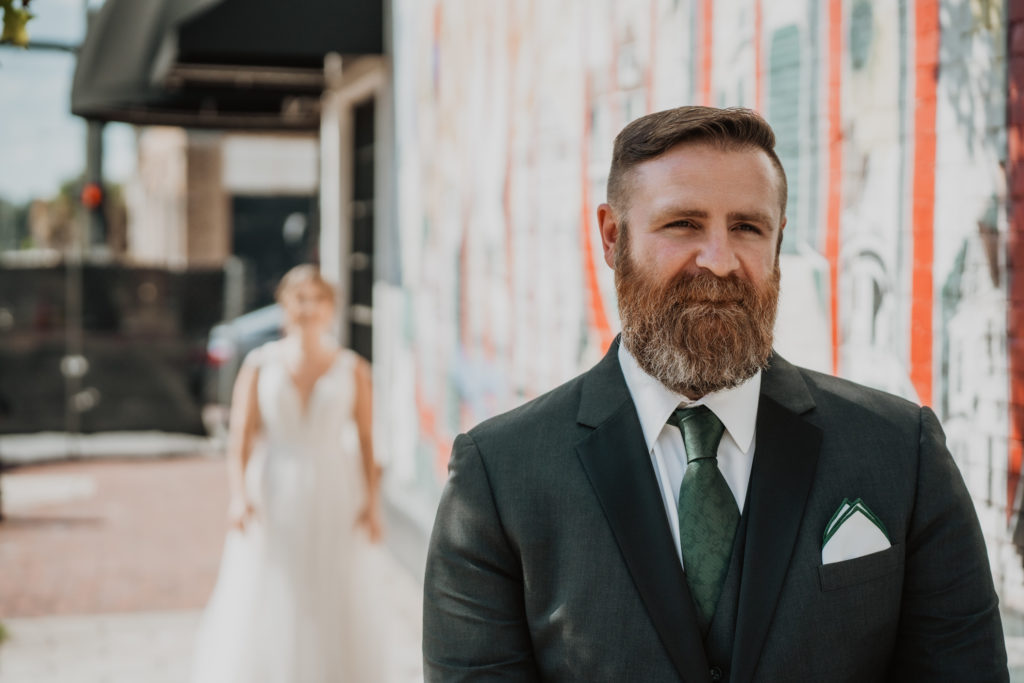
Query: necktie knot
point(702, 431)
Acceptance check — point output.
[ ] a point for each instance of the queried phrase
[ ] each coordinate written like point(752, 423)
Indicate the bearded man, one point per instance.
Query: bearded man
point(695, 508)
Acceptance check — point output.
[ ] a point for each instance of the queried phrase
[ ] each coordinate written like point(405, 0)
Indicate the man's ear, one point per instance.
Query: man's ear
point(778, 246)
point(608, 224)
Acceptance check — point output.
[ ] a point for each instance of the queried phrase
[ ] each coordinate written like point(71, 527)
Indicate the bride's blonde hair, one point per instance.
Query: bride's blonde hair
point(300, 275)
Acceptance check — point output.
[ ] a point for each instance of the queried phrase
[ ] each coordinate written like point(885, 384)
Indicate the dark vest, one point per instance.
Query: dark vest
point(721, 633)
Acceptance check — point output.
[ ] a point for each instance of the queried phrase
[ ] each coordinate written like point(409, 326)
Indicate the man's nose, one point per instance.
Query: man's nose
point(717, 255)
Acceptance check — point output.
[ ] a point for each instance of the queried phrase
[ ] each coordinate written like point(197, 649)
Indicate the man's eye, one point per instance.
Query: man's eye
point(747, 227)
point(684, 223)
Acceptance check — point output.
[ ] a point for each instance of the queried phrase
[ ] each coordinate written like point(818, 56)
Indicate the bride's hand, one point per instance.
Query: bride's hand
point(240, 511)
point(369, 519)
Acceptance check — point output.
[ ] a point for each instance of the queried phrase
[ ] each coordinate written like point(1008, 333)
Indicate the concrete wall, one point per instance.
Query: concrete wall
point(891, 118)
point(155, 199)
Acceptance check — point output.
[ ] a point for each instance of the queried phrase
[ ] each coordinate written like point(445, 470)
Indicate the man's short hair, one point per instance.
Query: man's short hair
point(652, 135)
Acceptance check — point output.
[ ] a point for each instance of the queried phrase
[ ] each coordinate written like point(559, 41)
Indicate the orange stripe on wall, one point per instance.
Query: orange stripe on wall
point(926, 61)
point(598, 317)
point(706, 42)
point(430, 432)
point(1015, 249)
point(835, 167)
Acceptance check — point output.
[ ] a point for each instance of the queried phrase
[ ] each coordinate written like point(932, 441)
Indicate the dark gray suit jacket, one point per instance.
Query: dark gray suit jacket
point(551, 557)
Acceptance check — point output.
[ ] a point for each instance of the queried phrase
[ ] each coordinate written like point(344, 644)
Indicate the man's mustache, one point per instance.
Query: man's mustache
point(707, 288)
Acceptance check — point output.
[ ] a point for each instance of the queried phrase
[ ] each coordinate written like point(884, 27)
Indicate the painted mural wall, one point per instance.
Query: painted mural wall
point(891, 122)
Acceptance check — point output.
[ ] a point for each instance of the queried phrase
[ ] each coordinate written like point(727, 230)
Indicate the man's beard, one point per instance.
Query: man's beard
point(697, 333)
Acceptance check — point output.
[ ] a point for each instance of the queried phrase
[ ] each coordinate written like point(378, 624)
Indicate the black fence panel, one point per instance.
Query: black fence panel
point(143, 338)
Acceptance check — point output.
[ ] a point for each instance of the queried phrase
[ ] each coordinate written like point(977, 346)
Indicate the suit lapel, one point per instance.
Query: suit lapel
point(785, 460)
point(618, 466)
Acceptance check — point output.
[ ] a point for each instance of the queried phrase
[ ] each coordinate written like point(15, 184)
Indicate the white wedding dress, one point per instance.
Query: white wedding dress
point(294, 599)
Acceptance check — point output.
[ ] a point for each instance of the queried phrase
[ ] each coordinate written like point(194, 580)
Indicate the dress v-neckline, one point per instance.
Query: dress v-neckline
point(305, 402)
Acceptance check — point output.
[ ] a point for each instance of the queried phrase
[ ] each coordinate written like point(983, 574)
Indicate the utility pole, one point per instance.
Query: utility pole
point(52, 46)
point(90, 233)
point(74, 365)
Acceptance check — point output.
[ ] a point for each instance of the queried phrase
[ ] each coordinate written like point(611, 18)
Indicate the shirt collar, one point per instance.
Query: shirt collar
point(736, 407)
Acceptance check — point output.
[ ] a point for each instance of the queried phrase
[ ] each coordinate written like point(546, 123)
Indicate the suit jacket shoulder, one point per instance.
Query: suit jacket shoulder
point(786, 382)
point(851, 416)
point(847, 392)
point(555, 422)
point(555, 407)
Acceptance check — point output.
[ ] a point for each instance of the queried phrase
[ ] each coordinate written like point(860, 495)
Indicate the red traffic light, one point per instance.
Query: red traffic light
point(92, 195)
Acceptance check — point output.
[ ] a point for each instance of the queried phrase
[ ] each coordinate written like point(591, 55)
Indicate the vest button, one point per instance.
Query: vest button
point(716, 673)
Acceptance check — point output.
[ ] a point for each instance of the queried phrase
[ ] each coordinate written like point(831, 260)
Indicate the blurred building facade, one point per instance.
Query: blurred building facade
point(226, 96)
point(895, 122)
point(203, 197)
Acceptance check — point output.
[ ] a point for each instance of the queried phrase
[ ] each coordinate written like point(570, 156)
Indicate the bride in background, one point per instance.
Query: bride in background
point(293, 601)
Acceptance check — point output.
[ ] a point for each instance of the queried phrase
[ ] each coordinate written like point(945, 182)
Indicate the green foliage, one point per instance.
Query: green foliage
point(3, 634)
point(16, 231)
point(14, 225)
point(15, 22)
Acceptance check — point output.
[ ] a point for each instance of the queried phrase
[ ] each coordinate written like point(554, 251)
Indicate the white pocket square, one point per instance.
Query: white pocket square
point(853, 531)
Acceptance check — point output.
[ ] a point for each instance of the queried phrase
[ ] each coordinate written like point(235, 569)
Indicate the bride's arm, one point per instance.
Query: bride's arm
point(243, 426)
point(370, 516)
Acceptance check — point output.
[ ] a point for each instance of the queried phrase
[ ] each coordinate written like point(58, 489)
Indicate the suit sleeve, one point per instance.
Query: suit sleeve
point(950, 628)
point(474, 622)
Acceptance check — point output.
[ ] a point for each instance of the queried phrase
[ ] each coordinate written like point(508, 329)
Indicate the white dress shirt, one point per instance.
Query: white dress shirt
point(736, 408)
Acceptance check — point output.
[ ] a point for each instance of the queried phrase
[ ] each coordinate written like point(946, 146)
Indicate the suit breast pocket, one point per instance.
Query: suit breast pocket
point(861, 569)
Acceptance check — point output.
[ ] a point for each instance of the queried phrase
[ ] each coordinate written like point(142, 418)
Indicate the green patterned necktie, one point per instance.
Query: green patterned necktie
point(708, 514)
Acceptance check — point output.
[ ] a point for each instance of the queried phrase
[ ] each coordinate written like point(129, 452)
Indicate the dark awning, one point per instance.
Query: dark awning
point(254, 64)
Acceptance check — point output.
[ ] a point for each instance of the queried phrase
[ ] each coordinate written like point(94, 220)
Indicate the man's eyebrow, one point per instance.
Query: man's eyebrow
point(752, 216)
point(676, 212)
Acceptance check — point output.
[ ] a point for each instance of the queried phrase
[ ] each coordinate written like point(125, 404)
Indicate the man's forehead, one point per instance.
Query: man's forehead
point(751, 161)
point(702, 150)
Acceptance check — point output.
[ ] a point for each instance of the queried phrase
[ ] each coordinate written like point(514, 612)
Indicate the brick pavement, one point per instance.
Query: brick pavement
point(104, 566)
point(148, 538)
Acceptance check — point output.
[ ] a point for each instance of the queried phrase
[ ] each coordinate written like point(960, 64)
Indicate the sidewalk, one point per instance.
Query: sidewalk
point(27, 449)
point(106, 565)
point(156, 647)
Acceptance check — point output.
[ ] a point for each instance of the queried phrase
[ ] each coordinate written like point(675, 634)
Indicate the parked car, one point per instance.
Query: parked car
point(229, 343)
